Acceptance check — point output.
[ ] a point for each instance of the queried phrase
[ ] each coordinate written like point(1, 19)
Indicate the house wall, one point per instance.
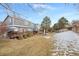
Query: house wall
point(17, 23)
point(8, 21)
point(75, 27)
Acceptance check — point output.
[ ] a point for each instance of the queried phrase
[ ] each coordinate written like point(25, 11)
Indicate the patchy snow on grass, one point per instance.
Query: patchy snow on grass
point(67, 41)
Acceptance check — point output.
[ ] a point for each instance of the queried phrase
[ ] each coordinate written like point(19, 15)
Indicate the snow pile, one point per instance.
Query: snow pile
point(67, 41)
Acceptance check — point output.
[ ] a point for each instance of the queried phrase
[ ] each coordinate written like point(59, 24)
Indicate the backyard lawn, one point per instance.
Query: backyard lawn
point(33, 46)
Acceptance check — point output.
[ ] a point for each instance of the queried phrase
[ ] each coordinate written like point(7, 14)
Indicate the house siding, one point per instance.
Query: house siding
point(76, 26)
point(19, 24)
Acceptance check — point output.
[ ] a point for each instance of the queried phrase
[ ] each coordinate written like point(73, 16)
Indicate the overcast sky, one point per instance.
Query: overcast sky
point(36, 12)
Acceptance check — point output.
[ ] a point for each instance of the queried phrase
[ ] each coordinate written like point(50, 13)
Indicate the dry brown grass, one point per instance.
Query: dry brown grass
point(34, 46)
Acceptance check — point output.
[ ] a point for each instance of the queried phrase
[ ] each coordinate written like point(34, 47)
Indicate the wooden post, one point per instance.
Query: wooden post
point(44, 31)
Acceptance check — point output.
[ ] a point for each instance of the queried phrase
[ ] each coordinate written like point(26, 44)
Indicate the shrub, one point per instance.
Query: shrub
point(29, 34)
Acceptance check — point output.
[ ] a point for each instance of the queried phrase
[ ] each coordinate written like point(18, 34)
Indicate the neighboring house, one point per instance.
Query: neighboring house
point(75, 25)
point(36, 27)
point(18, 24)
point(69, 26)
point(3, 29)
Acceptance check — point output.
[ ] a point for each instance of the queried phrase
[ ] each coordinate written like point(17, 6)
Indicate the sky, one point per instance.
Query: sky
point(36, 12)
